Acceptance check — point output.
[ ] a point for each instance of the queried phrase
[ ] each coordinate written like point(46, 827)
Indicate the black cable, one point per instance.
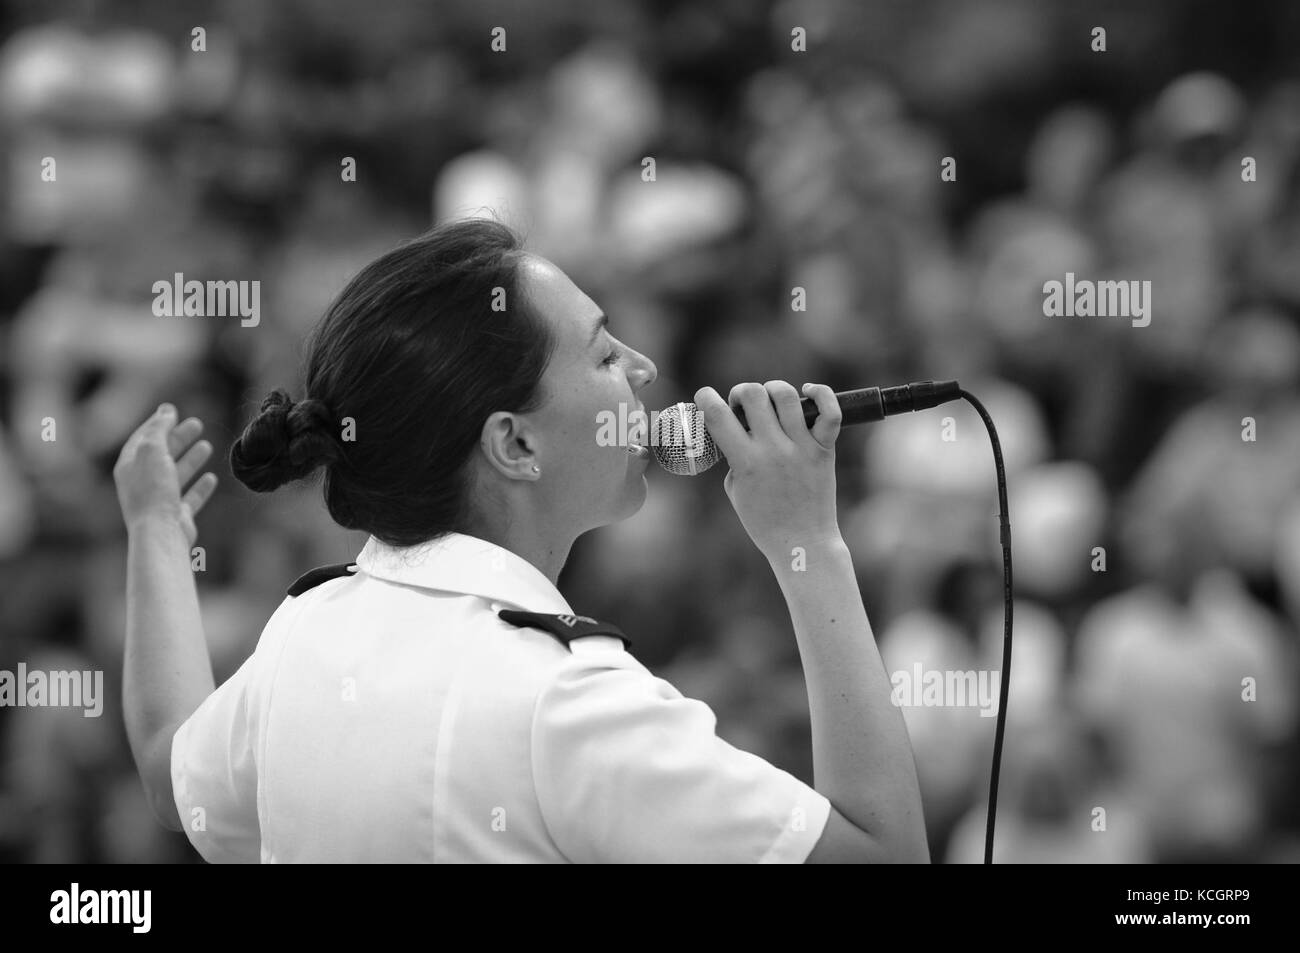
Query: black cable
point(1005, 536)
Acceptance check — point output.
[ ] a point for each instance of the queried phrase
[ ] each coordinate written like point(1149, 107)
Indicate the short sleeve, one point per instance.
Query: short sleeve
point(214, 780)
point(628, 770)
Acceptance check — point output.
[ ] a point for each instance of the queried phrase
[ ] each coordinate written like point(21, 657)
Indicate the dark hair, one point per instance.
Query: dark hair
point(414, 353)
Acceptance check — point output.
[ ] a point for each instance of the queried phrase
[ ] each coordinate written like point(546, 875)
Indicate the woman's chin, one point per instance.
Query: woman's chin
point(638, 488)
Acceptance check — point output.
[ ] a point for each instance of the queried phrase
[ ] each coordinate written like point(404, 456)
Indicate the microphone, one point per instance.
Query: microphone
point(683, 446)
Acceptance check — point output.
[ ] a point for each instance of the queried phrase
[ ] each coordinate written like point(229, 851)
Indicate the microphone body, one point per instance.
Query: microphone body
point(869, 404)
point(683, 446)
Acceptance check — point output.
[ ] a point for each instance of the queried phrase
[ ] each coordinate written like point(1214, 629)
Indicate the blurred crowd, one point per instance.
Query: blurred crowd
point(1156, 532)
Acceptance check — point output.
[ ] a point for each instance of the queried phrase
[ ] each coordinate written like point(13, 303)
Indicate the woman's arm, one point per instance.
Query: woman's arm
point(167, 673)
point(782, 485)
point(862, 757)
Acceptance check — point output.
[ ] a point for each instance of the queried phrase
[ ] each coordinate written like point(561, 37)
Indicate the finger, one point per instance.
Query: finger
point(154, 431)
point(789, 411)
point(759, 413)
point(722, 424)
point(151, 429)
point(200, 492)
point(826, 428)
point(163, 419)
point(182, 435)
point(192, 461)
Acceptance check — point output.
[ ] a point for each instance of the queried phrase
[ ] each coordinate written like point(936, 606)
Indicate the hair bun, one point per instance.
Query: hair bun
point(286, 441)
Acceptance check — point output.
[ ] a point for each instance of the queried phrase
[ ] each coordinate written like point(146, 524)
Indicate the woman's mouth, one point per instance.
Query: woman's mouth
point(638, 437)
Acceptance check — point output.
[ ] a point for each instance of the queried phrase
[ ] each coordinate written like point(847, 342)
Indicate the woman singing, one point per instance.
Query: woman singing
point(438, 699)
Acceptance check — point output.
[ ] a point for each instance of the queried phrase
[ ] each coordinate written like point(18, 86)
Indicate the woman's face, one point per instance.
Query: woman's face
point(587, 479)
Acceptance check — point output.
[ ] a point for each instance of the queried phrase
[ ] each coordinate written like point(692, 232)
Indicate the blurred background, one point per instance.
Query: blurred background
point(775, 169)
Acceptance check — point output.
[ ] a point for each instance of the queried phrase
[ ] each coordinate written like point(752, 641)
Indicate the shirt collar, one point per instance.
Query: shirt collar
point(458, 562)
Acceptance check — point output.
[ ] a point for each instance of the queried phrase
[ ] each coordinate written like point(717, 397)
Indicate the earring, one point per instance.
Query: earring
point(536, 468)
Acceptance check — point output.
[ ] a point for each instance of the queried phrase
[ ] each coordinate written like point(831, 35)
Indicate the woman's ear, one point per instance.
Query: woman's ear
point(510, 446)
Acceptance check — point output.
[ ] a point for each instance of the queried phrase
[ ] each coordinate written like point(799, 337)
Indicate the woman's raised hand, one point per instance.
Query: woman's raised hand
point(156, 463)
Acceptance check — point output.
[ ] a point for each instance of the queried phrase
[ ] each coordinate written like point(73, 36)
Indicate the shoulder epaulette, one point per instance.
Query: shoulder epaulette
point(564, 627)
point(314, 577)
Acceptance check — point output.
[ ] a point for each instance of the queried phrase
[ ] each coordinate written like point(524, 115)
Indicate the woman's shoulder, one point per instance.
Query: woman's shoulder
point(526, 645)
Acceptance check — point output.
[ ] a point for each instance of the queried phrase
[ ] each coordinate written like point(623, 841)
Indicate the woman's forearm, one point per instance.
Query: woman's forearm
point(862, 758)
point(167, 672)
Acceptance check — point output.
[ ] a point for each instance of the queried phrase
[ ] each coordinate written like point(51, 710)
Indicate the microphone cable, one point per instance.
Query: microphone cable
point(1007, 600)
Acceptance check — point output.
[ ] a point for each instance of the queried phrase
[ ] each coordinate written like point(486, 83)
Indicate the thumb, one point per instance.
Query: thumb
point(160, 424)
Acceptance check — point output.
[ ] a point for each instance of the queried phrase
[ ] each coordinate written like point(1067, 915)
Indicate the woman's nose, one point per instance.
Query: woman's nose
point(646, 368)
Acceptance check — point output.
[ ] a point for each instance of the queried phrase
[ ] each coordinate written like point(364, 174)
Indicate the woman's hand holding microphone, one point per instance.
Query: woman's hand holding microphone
point(782, 478)
point(782, 485)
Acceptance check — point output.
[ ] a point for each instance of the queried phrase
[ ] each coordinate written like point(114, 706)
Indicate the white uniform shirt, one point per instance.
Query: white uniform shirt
point(391, 716)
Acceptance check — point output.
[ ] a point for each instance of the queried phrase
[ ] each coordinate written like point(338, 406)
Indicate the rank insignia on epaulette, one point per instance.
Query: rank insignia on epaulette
point(564, 626)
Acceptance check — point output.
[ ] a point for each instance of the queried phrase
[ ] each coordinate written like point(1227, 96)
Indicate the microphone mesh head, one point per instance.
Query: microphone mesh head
point(680, 441)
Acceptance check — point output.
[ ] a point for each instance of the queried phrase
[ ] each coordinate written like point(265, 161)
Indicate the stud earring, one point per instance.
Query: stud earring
point(536, 468)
